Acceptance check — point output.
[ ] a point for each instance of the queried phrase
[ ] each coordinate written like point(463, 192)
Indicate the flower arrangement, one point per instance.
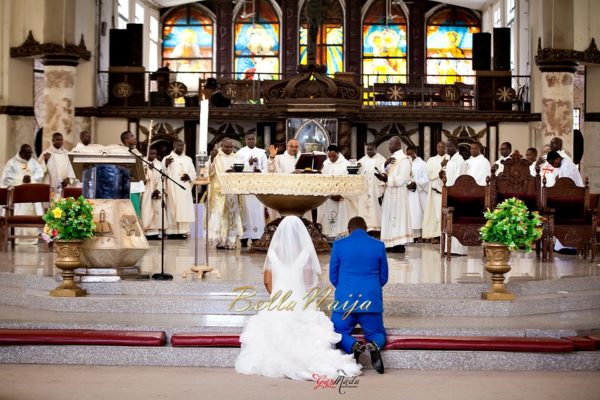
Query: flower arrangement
point(512, 224)
point(69, 219)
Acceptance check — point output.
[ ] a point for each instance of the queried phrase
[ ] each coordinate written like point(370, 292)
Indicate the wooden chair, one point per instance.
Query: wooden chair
point(569, 217)
point(26, 193)
point(516, 180)
point(74, 192)
point(463, 205)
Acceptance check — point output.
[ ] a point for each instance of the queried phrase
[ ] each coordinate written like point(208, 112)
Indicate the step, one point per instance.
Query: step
point(225, 358)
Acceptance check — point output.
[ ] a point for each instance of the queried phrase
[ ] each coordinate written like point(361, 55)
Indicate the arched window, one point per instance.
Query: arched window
point(450, 45)
point(256, 40)
point(384, 43)
point(330, 43)
point(187, 47)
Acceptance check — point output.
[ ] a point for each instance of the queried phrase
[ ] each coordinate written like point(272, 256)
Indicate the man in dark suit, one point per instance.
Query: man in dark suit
point(358, 270)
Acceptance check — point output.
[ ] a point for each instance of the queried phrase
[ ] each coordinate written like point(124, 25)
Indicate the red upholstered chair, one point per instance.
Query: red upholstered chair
point(569, 217)
point(516, 181)
point(3, 207)
point(463, 205)
point(26, 193)
point(74, 192)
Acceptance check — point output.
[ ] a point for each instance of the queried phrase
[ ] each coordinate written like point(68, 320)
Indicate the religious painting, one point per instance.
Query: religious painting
point(450, 47)
point(329, 40)
point(256, 41)
point(188, 45)
point(384, 44)
point(256, 51)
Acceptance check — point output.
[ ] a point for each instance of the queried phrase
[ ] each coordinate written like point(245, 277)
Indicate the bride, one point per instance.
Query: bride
point(297, 343)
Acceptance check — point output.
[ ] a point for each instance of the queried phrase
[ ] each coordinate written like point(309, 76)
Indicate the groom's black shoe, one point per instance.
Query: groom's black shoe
point(375, 357)
point(357, 349)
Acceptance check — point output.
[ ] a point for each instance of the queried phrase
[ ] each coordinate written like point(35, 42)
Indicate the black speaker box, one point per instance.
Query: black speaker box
point(501, 49)
point(482, 51)
point(135, 45)
point(487, 85)
point(126, 86)
point(118, 48)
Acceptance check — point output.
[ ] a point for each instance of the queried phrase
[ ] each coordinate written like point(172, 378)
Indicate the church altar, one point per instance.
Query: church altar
point(292, 194)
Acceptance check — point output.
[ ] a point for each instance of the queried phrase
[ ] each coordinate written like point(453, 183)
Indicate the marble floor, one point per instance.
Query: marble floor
point(421, 264)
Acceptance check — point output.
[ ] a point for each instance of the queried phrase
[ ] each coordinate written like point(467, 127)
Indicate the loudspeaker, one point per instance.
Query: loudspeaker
point(135, 45)
point(487, 86)
point(501, 49)
point(482, 51)
point(126, 86)
point(118, 48)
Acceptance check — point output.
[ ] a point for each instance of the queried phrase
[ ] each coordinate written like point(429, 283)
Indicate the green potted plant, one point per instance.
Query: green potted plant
point(511, 226)
point(69, 222)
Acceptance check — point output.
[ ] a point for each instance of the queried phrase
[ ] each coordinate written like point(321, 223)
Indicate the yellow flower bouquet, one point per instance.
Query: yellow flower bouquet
point(69, 219)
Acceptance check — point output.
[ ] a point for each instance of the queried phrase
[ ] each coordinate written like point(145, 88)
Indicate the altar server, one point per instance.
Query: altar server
point(369, 206)
point(433, 210)
point(55, 162)
point(417, 190)
point(477, 165)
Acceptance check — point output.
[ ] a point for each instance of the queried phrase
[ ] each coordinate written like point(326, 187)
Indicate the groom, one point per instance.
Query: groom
point(358, 270)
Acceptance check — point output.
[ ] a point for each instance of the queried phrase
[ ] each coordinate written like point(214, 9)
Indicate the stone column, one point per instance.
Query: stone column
point(224, 38)
point(353, 38)
point(289, 42)
point(59, 96)
point(557, 104)
point(591, 129)
point(344, 137)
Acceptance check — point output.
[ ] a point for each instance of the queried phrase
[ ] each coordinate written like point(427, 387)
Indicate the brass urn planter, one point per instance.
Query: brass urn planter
point(497, 264)
point(67, 260)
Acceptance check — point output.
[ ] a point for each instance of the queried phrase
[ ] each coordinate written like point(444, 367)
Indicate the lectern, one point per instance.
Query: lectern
point(119, 242)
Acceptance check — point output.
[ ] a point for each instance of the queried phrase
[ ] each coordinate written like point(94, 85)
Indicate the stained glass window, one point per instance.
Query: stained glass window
point(188, 44)
point(256, 41)
point(384, 43)
point(450, 46)
point(330, 42)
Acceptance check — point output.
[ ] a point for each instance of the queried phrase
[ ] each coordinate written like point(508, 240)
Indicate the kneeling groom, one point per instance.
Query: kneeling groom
point(358, 270)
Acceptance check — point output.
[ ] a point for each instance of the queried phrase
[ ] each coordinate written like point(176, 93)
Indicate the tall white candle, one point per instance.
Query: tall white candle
point(203, 134)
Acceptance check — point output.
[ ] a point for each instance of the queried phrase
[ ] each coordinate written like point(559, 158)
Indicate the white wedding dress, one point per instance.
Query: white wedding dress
point(298, 344)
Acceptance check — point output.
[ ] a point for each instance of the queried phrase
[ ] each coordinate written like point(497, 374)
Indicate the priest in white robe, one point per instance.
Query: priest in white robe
point(417, 191)
point(433, 211)
point(477, 165)
point(368, 204)
point(253, 216)
point(334, 214)
point(505, 153)
point(225, 219)
point(85, 140)
point(564, 168)
point(531, 156)
point(283, 163)
point(396, 229)
point(151, 198)
point(454, 167)
point(23, 168)
point(58, 171)
point(180, 204)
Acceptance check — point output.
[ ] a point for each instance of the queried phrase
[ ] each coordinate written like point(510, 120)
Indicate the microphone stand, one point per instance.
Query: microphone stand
point(162, 276)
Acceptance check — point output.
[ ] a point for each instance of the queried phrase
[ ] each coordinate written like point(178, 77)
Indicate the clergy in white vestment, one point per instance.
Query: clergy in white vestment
point(253, 216)
point(417, 190)
point(180, 204)
point(225, 219)
point(477, 165)
point(58, 171)
point(505, 153)
point(334, 214)
point(433, 211)
point(564, 168)
point(368, 204)
point(455, 167)
point(396, 229)
point(136, 188)
point(85, 139)
point(531, 156)
point(283, 163)
point(151, 198)
point(21, 169)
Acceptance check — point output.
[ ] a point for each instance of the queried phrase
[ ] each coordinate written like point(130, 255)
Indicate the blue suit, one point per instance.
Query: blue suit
point(358, 270)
